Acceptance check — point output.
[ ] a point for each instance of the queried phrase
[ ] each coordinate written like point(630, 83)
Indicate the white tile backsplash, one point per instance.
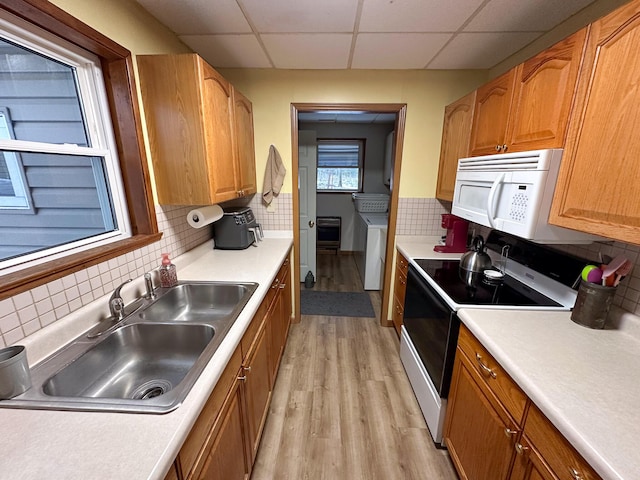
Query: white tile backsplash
point(28, 312)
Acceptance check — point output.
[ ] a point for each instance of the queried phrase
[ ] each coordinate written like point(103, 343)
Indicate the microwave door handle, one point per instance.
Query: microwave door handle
point(491, 200)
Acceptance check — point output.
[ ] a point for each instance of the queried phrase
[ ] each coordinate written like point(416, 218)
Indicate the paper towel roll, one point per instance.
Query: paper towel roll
point(199, 217)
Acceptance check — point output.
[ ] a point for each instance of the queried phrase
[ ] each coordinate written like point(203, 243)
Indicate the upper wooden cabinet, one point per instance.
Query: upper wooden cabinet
point(542, 97)
point(528, 107)
point(200, 131)
point(491, 113)
point(598, 189)
point(246, 173)
point(456, 134)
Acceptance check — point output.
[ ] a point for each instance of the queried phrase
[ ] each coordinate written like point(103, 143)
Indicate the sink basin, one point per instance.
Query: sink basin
point(139, 361)
point(148, 362)
point(195, 302)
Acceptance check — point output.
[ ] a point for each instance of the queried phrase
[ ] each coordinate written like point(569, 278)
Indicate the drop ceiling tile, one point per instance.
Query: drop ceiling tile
point(293, 16)
point(397, 50)
point(312, 50)
point(480, 50)
point(195, 17)
point(229, 51)
point(530, 15)
point(415, 15)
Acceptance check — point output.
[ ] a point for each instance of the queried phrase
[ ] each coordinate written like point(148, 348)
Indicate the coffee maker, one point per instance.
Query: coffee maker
point(456, 239)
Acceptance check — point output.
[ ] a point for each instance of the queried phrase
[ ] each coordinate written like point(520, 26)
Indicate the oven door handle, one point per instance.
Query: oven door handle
point(491, 199)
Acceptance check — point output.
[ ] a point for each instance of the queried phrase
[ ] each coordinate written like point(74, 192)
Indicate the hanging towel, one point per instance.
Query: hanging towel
point(273, 175)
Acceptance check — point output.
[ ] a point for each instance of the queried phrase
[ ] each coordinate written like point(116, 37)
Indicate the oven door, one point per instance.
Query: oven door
point(432, 327)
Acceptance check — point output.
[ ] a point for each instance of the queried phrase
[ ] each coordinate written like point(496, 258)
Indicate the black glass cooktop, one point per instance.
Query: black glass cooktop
point(508, 292)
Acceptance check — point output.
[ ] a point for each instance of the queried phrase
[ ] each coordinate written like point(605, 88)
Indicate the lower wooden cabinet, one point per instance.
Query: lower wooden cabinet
point(399, 290)
point(479, 434)
point(224, 441)
point(257, 384)
point(493, 431)
point(227, 457)
point(542, 441)
point(280, 316)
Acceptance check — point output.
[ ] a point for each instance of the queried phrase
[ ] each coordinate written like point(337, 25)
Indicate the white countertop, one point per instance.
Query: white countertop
point(38, 444)
point(421, 246)
point(585, 381)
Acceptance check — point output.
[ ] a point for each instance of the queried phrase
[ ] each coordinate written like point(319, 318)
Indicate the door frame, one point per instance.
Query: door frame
point(400, 109)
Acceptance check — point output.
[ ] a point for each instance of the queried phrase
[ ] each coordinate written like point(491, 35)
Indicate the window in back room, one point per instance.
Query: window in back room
point(60, 181)
point(340, 164)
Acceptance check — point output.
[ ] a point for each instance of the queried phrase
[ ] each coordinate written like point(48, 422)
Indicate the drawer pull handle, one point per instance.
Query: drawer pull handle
point(484, 368)
point(403, 281)
point(520, 449)
point(275, 284)
point(509, 433)
point(246, 369)
point(575, 474)
point(282, 285)
point(242, 378)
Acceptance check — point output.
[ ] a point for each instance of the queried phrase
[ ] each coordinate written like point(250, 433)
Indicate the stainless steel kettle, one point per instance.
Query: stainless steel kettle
point(474, 262)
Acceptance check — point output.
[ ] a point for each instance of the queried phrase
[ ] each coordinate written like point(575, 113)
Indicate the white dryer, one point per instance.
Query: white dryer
point(369, 245)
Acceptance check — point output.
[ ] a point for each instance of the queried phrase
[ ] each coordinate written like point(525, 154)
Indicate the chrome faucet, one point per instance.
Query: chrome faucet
point(116, 304)
point(148, 282)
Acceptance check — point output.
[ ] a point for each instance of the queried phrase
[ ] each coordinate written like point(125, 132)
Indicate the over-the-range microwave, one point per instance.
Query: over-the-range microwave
point(512, 192)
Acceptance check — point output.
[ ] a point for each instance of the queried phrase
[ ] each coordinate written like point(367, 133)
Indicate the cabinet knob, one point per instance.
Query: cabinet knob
point(504, 147)
point(242, 378)
point(403, 281)
point(521, 449)
point(246, 369)
point(498, 148)
point(575, 474)
point(275, 283)
point(486, 370)
point(509, 433)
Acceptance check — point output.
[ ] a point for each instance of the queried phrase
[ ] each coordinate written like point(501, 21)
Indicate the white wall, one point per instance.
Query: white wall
point(341, 204)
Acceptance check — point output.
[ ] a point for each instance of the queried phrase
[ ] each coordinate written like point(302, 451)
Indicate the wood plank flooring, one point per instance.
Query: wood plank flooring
point(342, 406)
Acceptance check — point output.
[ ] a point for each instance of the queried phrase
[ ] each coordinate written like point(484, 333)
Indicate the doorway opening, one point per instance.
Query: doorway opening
point(339, 150)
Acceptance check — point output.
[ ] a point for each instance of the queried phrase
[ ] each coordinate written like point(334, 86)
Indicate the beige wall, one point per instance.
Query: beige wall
point(425, 92)
point(127, 23)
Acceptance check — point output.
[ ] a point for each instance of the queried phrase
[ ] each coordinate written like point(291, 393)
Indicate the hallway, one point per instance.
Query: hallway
point(342, 406)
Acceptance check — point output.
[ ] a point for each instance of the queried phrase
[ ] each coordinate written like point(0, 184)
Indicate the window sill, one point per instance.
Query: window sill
point(18, 282)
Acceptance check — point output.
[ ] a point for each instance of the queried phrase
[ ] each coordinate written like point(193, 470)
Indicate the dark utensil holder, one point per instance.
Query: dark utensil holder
point(592, 304)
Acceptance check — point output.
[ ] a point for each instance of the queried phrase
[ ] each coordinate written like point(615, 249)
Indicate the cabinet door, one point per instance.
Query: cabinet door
point(598, 189)
point(227, 458)
point(542, 97)
point(275, 323)
point(456, 135)
point(257, 384)
point(246, 168)
point(478, 432)
point(170, 86)
point(528, 464)
point(219, 131)
point(491, 114)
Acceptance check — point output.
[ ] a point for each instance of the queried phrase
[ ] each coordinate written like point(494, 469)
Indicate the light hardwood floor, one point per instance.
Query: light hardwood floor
point(342, 407)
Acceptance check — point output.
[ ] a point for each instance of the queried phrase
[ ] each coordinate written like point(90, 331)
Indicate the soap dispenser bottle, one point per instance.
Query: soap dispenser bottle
point(168, 275)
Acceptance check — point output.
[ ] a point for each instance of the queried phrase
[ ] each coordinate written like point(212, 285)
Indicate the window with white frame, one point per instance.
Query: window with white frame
point(340, 164)
point(60, 183)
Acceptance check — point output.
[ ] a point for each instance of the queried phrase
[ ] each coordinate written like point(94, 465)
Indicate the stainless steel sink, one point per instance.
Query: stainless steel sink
point(146, 364)
point(138, 362)
point(196, 302)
